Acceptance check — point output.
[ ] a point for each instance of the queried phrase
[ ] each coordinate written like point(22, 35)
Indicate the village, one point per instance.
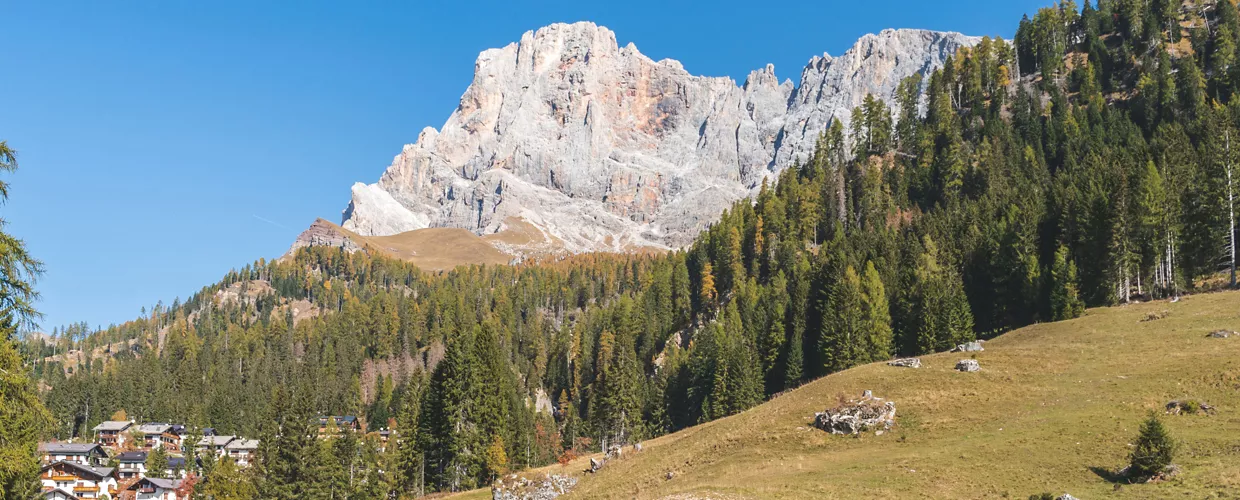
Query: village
point(116, 465)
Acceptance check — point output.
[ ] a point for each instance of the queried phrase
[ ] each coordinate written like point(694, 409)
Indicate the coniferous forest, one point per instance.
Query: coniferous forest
point(1087, 162)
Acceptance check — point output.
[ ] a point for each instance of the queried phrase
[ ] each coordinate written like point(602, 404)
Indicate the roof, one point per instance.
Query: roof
point(113, 425)
point(132, 456)
point(87, 469)
point(243, 444)
point(176, 462)
point(52, 493)
point(70, 448)
point(155, 428)
point(215, 440)
point(340, 419)
point(208, 431)
point(167, 484)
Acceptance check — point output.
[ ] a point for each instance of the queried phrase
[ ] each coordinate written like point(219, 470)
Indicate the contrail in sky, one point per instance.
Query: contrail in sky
point(276, 224)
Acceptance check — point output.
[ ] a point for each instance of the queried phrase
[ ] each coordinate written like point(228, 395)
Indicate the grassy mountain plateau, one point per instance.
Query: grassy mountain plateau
point(606, 277)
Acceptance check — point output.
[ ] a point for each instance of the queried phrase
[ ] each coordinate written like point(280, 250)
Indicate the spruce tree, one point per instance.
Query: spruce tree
point(157, 463)
point(843, 333)
point(875, 317)
point(1154, 449)
point(1065, 300)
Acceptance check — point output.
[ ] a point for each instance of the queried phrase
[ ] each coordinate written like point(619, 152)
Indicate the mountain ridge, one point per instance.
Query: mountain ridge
point(604, 149)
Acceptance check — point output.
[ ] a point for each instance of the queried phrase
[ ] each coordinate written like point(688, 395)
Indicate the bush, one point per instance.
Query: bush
point(1154, 451)
point(1042, 496)
point(568, 456)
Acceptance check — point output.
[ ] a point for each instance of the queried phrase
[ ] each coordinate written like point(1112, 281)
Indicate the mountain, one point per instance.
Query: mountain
point(596, 147)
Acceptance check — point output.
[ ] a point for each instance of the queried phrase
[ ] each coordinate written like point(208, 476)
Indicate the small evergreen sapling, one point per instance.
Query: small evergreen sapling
point(1154, 450)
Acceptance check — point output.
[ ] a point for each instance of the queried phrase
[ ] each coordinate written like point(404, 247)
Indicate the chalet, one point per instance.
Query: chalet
point(151, 488)
point(385, 435)
point(112, 434)
point(131, 464)
point(242, 451)
point(158, 435)
point(213, 445)
point(82, 453)
point(342, 423)
point(71, 480)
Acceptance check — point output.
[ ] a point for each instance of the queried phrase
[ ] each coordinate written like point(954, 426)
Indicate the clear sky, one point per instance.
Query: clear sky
point(163, 143)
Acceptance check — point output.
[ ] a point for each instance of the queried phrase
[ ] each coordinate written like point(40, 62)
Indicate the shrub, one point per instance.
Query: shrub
point(1042, 496)
point(568, 456)
point(1154, 451)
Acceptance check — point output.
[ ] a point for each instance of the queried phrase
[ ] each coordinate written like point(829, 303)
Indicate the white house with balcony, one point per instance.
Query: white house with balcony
point(71, 480)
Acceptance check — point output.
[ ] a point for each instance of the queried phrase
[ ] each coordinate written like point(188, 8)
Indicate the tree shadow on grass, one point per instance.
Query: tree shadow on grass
point(1111, 475)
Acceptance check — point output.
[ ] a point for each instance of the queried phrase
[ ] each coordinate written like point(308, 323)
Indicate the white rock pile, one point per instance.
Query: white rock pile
point(975, 346)
point(858, 416)
point(905, 362)
point(968, 365)
point(517, 487)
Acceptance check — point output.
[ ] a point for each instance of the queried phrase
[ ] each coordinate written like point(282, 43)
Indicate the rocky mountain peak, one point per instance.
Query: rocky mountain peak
point(601, 148)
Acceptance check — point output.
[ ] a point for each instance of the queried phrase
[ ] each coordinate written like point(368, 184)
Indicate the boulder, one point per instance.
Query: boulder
point(595, 465)
point(1221, 334)
point(857, 416)
point(546, 487)
point(1065, 496)
point(975, 346)
point(1189, 407)
point(905, 362)
point(968, 365)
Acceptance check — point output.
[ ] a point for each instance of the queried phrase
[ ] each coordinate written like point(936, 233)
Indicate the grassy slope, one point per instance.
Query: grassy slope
point(432, 249)
point(1052, 401)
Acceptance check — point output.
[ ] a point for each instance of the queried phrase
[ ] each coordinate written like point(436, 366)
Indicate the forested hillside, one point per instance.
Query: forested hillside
point(1086, 163)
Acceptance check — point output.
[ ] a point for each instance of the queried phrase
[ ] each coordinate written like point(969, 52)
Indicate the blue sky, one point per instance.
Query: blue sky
point(163, 143)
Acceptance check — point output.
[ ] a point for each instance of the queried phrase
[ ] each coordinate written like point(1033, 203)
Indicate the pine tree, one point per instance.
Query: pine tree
point(226, 482)
point(875, 317)
point(1154, 449)
point(22, 415)
point(1065, 300)
point(707, 292)
point(157, 463)
point(409, 465)
point(842, 335)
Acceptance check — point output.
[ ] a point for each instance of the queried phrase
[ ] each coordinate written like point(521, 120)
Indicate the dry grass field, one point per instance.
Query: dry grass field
point(1054, 409)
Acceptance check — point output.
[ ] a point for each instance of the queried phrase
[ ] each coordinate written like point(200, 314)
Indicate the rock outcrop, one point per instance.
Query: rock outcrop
point(324, 234)
point(857, 416)
point(975, 346)
point(968, 365)
point(905, 362)
point(602, 148)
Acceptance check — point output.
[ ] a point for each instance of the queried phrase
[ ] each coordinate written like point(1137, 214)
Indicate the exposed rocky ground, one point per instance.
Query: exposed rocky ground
point(545, 487)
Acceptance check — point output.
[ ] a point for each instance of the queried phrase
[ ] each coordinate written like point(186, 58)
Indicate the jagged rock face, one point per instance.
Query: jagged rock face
point(606, 149)
point(323, 234)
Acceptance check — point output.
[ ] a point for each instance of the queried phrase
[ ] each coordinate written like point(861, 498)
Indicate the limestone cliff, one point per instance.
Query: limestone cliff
point(602, 148)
